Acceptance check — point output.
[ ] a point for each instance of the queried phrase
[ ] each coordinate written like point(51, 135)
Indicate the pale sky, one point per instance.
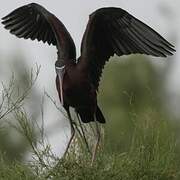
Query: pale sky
point(74, 15)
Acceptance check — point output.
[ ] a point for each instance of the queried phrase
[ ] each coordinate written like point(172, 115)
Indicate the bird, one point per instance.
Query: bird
point(110, 31)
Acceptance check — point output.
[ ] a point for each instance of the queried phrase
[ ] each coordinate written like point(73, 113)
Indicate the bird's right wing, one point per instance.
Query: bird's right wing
point(29, 22)
point(33, 21)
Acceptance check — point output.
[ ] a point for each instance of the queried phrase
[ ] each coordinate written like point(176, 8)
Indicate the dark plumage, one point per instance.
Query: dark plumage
point(109, 31)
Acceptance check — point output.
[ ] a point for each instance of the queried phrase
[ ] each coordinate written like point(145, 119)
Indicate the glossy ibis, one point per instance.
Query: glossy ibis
point(109, 31)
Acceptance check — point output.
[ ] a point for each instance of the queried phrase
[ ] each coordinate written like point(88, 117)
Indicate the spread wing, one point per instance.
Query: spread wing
point(114, 31)
point(32, 21)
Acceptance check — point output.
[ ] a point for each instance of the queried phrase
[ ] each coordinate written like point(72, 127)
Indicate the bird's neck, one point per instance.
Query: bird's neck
point(65, 62)
point(63, 38)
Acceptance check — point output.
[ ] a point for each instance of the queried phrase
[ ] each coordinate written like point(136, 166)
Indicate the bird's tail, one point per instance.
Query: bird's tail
point(86, 116)
point(99, 116)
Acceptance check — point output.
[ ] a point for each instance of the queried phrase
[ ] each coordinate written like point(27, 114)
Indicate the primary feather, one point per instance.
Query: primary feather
point(33, 21)
point(114, 31)
point(109, 31)
point(29, 22)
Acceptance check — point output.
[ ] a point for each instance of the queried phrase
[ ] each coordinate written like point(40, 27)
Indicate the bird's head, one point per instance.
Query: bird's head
point(60, 71)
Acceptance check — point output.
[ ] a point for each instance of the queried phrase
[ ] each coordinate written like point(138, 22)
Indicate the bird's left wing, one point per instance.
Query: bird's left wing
point(114, 31)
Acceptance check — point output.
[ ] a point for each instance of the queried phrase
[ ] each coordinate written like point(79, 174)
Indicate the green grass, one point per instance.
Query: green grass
point(143, 147)
point(15, 171)
point(151, 156)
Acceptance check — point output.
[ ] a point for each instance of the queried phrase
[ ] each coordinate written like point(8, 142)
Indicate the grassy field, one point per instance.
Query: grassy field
point(151, 155)
point(140, 140)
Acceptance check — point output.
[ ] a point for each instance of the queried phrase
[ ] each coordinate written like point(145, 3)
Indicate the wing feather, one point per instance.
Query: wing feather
point(33, 21)
point(29, 22)
point(114, 31)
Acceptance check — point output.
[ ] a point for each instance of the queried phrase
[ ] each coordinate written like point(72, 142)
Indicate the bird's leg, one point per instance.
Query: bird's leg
point(83, 134)
point(72, 131)
point(97, 143)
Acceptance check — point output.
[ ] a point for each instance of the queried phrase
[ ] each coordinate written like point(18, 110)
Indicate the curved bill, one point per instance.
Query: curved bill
point(60, 72)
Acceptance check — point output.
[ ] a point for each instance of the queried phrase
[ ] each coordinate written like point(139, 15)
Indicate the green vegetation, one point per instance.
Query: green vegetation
point(151, 155)
point(15, 171)
point(139, 143)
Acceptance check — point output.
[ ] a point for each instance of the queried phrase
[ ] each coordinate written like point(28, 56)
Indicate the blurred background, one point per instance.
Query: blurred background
point(133, 88)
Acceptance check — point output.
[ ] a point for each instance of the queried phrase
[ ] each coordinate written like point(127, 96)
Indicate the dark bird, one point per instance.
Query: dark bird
point(109, 31)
